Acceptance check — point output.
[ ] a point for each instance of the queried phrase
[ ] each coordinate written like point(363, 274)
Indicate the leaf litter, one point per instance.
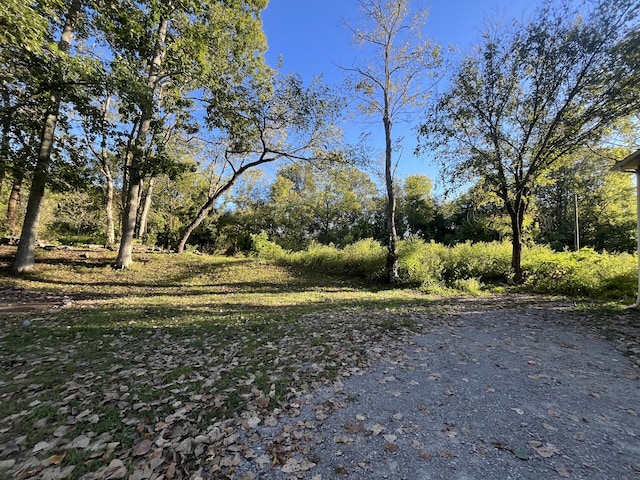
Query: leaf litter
point(156, 404)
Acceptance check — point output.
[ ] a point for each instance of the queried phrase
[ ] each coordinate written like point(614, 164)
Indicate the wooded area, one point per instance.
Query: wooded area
point(152, 122)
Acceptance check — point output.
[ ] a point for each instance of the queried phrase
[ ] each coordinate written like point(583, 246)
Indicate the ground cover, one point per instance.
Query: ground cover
point(159, 369)
point(203, 367)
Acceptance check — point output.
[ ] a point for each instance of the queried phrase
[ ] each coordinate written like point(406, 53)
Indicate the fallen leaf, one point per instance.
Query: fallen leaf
point(62, 430)
point(546, 451)
point(562, 471)
point(346, 439)
point(291, 466)
point(521, 454)
point(56, 459)
point(81, 441)
point(390, 447)
point(360, 417)
point(418, 445)
point(41, 446)
point(7, 464)
point(377, 429)
point(351, 427)
point(549, 427)
point(142, 448)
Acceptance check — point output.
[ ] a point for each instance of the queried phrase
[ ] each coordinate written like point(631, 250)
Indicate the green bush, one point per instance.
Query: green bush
point(487, 262)
point(421, 263)
point(468, 267)
point(585, 273)
point(364, 259)
point(471, 286)
point(264, 249)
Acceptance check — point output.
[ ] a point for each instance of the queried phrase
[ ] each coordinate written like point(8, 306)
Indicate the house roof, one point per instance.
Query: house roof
point(630, 163)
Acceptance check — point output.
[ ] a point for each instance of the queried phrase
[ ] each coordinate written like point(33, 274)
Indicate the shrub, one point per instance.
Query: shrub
point(421, 263)
point(263, 248)
point(584, 273)
point(365, 258)
point(471, 286)
point(485, 261)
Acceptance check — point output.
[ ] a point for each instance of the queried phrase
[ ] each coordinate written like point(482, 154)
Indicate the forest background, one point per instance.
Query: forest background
point(160, 123)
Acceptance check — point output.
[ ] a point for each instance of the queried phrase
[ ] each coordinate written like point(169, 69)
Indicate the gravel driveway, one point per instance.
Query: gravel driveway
point(534, 389)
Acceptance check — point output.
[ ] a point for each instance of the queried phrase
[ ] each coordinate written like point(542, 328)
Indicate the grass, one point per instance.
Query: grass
point(196, 339)
point(178, 347)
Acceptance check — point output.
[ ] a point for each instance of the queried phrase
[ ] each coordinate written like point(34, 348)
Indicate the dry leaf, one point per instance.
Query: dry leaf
point(377, 429)
point(546, 451)
point(390, 447)
point(418, 445)
point(41, 446)
point(346, 439)
point(142, 448)
point(56, 459)
point(563, 472)
point(351, 427)
point(7, 464)
point(291, 466)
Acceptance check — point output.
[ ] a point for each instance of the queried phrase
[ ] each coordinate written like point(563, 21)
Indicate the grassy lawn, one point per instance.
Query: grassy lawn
point(160, 366)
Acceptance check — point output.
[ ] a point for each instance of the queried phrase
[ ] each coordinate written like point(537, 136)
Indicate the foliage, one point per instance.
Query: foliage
point(531, 95)
point(265, 249)
point(585, 273)
point(421, 263)
point(606, 205)
point(391, 84)
point(468, 267)
point(488, 262)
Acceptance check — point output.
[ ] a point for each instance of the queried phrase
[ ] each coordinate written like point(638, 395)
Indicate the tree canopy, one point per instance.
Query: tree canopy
point(532, 94)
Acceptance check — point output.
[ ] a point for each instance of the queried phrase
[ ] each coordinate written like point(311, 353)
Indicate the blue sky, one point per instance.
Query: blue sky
point(311, 38)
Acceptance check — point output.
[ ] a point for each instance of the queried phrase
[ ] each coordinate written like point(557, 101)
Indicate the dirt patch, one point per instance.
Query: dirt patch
point(16, 301)
point(505, 388)
point(489, 391)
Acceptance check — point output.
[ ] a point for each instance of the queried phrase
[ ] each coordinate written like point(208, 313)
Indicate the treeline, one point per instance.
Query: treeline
point(160, 122)
point(340, 205)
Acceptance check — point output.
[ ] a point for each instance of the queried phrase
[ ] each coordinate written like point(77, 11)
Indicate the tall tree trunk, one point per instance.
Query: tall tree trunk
point(139, 150)
point(516, 212)
point(111, 227)
point(146, 208)
point(392, 249)
point(105, 168)
point(14, 202)
point(25, 256)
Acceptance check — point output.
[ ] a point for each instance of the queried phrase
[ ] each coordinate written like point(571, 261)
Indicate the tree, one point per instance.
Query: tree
point(606, 201)
point(179, 50)
point(416, 208)
point(286, 121)
point(528, 97)
point(392, 85)
point(25, 256)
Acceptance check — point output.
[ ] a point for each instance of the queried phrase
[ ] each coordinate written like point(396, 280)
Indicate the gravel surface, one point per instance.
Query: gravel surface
point(530, 390)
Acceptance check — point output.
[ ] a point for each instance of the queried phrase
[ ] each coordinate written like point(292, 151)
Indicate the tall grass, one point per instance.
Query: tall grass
point(470, 267)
